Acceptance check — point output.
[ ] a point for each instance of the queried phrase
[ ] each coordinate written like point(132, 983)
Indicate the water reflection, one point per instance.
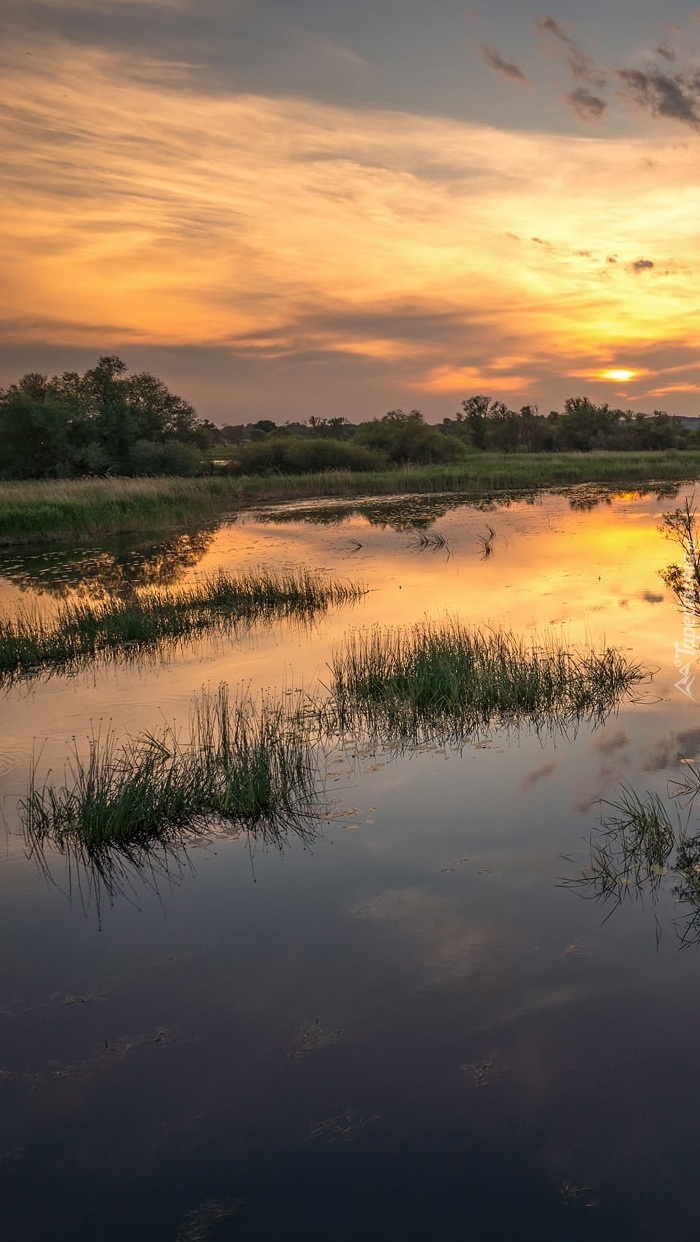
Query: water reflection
point(117, 570)
point(419, 512)
point(99, 877)
point(643, 850)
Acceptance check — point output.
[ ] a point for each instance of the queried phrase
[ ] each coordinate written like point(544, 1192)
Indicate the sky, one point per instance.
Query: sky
point(288, 208)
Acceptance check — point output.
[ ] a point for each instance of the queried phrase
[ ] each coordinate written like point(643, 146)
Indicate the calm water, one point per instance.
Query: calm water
point(410, 1029)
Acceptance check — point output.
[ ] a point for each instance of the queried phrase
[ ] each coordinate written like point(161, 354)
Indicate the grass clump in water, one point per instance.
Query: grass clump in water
point(631, 851)
point(141, 621)
point(449, 680)
point(249, 764)
point(639, 851)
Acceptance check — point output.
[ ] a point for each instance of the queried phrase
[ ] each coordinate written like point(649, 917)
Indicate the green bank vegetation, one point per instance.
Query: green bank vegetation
point(105, 421)
point(259, 764)
point(80, 510)
point(141, 622)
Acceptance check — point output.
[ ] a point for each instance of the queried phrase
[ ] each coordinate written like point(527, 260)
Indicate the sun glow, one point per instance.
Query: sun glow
point(619, 374)
point(350, 246)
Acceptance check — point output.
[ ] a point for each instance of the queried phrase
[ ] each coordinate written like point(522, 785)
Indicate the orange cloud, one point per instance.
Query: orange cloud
point(142, 207)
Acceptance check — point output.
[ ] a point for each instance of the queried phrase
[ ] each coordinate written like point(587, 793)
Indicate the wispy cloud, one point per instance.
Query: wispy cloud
point(587, 106)
point(580, 64)
point(290, 232)
point(549, 26)
point(508, 68)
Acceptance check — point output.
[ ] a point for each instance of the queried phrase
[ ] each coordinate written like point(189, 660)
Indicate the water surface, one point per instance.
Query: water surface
point(411, 1028)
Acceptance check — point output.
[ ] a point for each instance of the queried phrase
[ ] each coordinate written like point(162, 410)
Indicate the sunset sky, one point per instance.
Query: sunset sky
point(296, 207)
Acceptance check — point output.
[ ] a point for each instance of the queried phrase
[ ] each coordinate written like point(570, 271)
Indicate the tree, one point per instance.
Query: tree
point(76, 424)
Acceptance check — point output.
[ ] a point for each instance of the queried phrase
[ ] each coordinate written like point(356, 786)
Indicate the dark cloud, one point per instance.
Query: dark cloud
point(676, 96)
point(641, 265)
point(548, 26)
point(586, 105)
point(582, 66)
point(650, 598)
point(612, 258)
point(508, 68)
point(668, 53)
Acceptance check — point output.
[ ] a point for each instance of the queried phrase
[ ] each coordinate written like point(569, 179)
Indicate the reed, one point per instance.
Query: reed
point(447, 680)
point(143, 621)
point(248, 763)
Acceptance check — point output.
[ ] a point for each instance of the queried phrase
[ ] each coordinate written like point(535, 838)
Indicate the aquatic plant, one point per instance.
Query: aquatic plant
point(430, 540)
point(445, 680)
point(485, 543)
point(140, 621)
point(630, 851)
point(250, 763)
point(640, 851)
point(684, 580)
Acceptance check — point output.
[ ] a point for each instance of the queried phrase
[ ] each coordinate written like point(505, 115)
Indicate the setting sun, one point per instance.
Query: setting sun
point(618, 374)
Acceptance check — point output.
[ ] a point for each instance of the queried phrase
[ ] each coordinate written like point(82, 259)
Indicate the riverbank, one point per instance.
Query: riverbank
point(82, 509)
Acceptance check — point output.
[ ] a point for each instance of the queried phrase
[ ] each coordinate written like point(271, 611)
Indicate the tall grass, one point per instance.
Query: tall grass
point(258, 763)
point(447, 680)
point(141, 621)
point(249, 763)
point(81, 509)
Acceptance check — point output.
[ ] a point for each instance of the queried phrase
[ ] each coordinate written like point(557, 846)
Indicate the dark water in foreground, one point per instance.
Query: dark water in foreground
point(410, 1029)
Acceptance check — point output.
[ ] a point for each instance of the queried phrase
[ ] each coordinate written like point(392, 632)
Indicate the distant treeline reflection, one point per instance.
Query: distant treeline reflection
point(117, 571)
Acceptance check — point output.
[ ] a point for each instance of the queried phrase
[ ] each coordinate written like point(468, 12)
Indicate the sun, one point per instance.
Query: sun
point(619, 374)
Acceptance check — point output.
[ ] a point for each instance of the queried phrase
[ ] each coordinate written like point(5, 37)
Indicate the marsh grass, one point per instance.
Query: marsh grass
point(82, 509)
point(443, 681)
point(630, 852)
point(640, 849)
point(248, 764)
point(141, 621)
point(261, 764)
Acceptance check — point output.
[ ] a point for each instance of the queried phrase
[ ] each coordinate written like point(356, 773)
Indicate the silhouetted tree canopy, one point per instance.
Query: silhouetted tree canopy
point(107, 421)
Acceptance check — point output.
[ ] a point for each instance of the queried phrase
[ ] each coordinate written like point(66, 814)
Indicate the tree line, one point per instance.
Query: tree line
point(106, 421)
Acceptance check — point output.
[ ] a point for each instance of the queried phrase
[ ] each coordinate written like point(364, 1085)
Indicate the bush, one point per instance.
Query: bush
point(406, 438)
point(148, 457)
point(292, 456)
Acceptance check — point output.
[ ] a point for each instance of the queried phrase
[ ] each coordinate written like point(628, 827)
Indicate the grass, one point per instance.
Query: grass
point(258, 763)
point(249, 764)
point(631, 852)
point(447, 681)
point(638, 849)
point(82, 509)
point(139, 622)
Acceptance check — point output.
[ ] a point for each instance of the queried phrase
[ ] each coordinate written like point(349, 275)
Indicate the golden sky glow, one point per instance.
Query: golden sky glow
point(438, 256)
point(619, 374)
